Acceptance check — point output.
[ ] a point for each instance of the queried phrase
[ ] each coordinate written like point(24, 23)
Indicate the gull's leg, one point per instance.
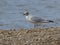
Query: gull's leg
point(44, 25)
point(40, 25)
point(35, 25)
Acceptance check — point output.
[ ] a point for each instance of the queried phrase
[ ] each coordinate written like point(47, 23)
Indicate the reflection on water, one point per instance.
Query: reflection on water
point(11, 12)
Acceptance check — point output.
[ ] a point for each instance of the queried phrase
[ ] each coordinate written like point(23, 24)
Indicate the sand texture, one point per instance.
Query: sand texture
point(42, 36)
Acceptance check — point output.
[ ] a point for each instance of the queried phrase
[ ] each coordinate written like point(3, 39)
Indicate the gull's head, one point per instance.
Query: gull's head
point(26, 13)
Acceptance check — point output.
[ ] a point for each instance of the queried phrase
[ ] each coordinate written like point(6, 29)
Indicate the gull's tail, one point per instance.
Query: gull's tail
point(50, 21)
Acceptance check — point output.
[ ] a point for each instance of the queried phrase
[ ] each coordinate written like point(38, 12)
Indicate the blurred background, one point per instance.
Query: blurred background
point(11, 12)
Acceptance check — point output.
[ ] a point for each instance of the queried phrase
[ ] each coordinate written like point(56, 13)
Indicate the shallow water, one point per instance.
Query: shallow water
point(11, 12)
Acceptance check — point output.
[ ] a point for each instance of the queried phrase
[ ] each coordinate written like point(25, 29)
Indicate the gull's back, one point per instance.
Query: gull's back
point(37, 19)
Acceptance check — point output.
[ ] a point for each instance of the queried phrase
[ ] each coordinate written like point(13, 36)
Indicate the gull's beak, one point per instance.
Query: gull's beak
point(23, 14)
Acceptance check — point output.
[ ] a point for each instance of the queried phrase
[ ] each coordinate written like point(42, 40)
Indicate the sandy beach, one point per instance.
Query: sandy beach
point(41, 36)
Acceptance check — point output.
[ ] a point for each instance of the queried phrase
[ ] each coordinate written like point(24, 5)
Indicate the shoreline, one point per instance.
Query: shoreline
point(41, 36)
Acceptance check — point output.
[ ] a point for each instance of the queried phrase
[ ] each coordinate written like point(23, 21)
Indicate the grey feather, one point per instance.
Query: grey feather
point(37, 19)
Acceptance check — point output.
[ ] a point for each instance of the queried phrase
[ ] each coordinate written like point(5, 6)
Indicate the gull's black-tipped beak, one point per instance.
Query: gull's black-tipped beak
point(23, 14)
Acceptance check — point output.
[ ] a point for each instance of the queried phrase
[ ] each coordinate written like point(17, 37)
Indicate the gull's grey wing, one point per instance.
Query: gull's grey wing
point(37, 19)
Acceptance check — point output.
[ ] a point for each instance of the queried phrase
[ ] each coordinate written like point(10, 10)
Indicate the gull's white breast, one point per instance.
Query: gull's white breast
point(29, 18)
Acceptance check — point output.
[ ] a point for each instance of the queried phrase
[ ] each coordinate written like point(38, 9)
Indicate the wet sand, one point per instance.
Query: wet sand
point(42, 36)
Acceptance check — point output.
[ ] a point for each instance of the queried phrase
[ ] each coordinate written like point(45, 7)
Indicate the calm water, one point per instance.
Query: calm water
point(11, 12)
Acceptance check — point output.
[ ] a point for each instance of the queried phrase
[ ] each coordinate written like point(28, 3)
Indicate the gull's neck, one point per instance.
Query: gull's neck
point(28, 17)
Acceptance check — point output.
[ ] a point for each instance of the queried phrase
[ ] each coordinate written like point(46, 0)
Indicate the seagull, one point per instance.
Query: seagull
point(35, 20)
